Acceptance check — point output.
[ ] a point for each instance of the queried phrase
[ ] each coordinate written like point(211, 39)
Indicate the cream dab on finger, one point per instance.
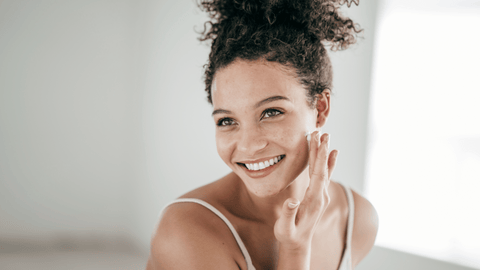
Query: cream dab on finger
point(308, 134)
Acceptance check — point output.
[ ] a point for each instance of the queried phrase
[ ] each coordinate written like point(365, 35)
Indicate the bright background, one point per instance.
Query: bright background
point(103, 120)
point(424, 158)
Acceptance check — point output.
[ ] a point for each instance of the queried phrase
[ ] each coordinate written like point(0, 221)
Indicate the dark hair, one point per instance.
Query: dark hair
point(291, 32)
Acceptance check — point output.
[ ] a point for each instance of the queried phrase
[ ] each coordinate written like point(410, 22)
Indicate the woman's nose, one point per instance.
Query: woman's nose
point(251, 140)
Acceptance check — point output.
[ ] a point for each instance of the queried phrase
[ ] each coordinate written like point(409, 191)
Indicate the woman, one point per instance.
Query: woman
point(269, 80)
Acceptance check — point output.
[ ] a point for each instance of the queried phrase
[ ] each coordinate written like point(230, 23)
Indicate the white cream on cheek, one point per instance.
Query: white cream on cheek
point(310, 125)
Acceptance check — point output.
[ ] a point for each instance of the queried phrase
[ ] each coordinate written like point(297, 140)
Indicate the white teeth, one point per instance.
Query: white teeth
point(263, 165)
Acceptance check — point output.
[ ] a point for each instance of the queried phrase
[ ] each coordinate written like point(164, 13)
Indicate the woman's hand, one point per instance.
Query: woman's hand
point(296, 225)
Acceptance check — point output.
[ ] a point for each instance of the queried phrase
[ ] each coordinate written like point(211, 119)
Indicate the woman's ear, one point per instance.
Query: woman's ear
point(323, 107)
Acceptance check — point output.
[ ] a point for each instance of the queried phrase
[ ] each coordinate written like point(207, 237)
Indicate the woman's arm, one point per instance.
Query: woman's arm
point(189, 236)
point(364, 229)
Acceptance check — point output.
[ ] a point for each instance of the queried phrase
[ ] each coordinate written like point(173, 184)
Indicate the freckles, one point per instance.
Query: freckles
point(224, 146)
point(289, 136)
point(227, 147)
point(281, 136)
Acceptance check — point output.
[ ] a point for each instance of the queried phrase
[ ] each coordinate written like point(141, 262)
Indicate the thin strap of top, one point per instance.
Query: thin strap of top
point(230, 226)
point(345, 264)
point(347, 256)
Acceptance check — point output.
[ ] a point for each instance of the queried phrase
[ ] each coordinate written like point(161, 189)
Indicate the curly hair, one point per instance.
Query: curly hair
point(291, 32)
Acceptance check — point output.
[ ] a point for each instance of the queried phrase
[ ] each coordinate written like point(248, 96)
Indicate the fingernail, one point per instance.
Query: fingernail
point(292, 205)
point(328, 141)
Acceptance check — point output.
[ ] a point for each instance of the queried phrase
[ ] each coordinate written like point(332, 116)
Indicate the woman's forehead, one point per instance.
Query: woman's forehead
point(244, 83)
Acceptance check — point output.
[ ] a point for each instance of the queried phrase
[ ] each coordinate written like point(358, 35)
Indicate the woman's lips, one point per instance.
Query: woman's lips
point(263, 172)
point(262, 163)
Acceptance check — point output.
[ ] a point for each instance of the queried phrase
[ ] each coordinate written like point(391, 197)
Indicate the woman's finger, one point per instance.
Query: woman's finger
point(313, 200)
point(314, 142)
point(320, 167)
point(332, 160)
point(285, 225)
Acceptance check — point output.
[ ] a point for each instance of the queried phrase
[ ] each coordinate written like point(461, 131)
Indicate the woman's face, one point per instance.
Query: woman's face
point(262, 114)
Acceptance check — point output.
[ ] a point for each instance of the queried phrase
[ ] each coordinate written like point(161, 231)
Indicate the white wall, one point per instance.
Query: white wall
point(69, 118)
point(178, 132)
point(417, 147)
point(381, 258)
point(348, 121)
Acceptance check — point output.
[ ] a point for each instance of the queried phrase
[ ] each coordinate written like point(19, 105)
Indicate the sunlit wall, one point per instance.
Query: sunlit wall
point(424, 150)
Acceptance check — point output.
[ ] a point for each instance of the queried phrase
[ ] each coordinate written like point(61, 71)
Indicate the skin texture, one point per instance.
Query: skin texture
point(310, 235)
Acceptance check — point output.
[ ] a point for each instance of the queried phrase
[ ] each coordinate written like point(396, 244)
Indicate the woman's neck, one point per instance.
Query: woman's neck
point(268, 209)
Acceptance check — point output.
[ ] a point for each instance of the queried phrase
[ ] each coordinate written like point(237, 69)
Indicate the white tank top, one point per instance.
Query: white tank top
point(346, 262)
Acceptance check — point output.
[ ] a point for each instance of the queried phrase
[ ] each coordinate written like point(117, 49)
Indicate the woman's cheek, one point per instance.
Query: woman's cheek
point(285, 134)
point(293, 138)
point(223, 147)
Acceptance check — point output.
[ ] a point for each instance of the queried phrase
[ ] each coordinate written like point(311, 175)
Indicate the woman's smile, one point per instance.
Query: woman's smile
point(261, 168)
point(263, 163)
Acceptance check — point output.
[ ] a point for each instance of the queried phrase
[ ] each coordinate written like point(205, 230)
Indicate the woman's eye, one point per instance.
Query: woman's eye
point(271, 112)
point(225, 122)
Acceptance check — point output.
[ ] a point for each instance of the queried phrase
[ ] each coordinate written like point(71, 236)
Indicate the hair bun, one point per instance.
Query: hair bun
point(319, 19)
point(290, 32)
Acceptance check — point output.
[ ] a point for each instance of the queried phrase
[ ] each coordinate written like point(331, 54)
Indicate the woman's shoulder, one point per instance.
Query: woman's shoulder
point(189, 235)
point(364, 229)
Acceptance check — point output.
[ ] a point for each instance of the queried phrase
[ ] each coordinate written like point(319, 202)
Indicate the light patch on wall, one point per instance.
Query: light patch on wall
point(423, 169)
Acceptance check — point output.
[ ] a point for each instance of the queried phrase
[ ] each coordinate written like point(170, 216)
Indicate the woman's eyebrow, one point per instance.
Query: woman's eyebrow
point(270, 99)
point(260, 103)
point(221, 111)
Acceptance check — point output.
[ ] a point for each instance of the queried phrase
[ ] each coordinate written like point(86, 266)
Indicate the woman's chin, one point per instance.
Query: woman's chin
point(272, 191)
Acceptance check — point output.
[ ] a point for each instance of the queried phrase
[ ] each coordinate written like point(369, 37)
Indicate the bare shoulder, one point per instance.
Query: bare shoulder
point(189, 236)
point(364, 229)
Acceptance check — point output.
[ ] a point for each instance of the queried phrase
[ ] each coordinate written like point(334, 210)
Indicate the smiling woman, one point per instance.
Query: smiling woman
point(267, 113)
point(269, 80)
